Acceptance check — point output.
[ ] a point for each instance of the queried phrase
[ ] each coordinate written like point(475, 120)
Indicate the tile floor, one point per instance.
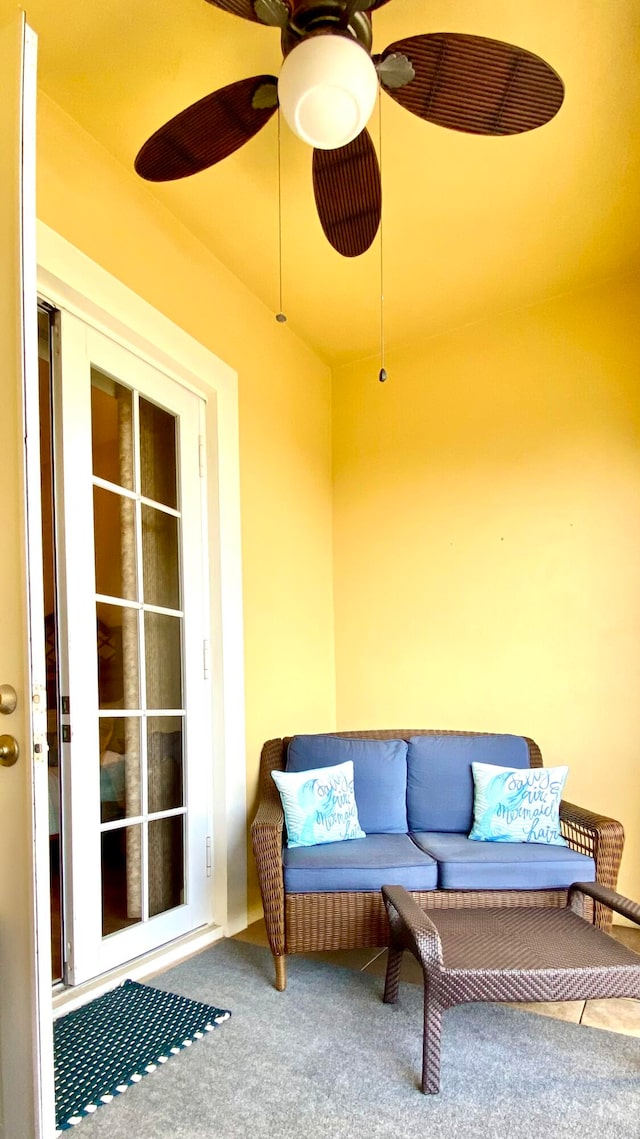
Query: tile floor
point(614, 1015)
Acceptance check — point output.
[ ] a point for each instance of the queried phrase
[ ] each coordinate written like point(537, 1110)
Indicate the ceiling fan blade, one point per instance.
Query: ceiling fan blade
point(478, 85)
point(346, 184)
point(273, 12)
point(209, 130)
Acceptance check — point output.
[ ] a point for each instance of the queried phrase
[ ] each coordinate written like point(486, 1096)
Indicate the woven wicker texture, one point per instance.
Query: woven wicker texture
point(498, 954)
point(483, 86)
point(304, 923)
point(342, 177)
point(207, 131)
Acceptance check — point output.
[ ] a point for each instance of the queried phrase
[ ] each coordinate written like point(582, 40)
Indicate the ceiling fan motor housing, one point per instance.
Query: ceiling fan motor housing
point(322, 17)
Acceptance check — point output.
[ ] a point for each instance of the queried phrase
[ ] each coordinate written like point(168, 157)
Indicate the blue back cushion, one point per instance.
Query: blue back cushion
point(439, 778)
point(379, 775)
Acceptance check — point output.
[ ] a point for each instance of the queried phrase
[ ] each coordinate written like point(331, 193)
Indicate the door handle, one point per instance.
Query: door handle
point(8, 699)
point(9, 751)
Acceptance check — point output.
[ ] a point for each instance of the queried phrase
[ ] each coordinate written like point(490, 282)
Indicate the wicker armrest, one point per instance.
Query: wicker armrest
point(266, 839)
point(598, 836)
point(609, 898)
point(411, 928)
point(602, 839)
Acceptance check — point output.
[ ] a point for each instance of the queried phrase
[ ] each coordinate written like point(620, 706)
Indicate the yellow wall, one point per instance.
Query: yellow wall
point(487, 541)
point(285, 424)
point(485, 512)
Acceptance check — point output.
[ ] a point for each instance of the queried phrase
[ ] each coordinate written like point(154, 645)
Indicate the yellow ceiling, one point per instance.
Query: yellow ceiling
point(470, 225)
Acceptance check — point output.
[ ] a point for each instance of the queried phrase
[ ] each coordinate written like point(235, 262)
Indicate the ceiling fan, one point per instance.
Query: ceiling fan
point(327, 89)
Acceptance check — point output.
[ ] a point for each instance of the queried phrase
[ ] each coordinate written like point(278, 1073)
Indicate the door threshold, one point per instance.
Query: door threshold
point(67, 997)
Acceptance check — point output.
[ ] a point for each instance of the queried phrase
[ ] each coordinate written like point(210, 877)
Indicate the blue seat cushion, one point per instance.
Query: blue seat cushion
point(439, 779)
point(379, 775)
point(467, 865)
point(358, 864)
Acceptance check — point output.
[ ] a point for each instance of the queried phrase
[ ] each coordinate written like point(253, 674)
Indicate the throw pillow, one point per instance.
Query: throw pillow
point(516, 805)
point(319, 805)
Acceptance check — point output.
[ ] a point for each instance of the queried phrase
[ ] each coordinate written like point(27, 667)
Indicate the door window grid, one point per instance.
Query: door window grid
point(137, 831)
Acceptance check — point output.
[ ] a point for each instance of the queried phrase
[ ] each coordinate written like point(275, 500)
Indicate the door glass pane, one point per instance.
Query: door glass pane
point(160, 570)
point(158, 454)
point(120, 796)
point(118, 684)
point(164, 762)
point(163, 660)
point(121, 878)
point(115, 544)
point(166, 864)
point(111, 430)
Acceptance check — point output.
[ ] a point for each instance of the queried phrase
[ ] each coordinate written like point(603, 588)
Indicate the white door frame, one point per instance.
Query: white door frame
point(70, 281)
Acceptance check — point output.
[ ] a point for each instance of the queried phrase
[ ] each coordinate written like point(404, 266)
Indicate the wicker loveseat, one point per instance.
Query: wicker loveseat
point(305, 911)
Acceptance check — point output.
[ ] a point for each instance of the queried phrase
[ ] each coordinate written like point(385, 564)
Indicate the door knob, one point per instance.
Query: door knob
point(8, 699)
point(9, 751)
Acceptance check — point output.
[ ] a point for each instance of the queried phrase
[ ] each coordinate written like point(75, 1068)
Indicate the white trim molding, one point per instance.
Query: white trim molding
point(70, 281)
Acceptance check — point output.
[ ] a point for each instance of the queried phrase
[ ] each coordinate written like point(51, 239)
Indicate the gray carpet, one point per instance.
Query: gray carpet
point(326, 1058)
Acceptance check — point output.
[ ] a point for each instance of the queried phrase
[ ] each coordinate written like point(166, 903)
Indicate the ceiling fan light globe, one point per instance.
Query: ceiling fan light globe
point(327, 90)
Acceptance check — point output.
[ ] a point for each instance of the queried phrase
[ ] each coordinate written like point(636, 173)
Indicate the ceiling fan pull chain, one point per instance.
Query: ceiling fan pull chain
point(280, 315)
point(382, 374)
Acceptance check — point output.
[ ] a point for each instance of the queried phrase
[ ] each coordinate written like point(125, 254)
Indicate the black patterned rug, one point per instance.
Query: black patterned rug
point(104, 1047)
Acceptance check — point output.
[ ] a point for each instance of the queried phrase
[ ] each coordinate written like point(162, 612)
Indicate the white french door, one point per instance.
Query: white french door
point(136, 734)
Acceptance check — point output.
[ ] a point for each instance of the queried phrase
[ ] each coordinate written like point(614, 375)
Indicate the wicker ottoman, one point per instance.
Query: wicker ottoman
point(506, 954)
